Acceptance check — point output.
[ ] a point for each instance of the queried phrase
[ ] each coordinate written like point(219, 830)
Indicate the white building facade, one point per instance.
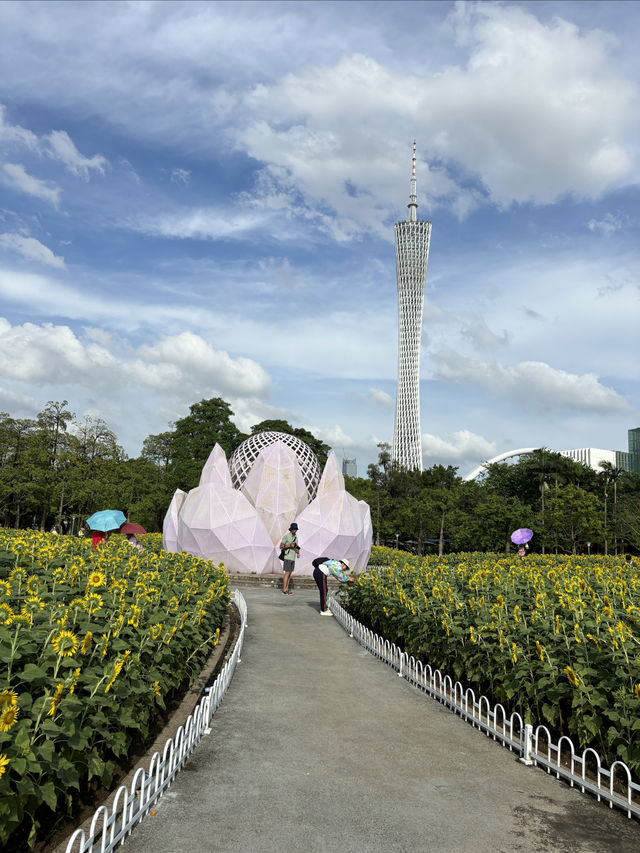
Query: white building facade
point(412, 254)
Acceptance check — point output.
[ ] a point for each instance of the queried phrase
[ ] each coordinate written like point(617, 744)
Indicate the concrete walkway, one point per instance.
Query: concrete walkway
point(318, 746)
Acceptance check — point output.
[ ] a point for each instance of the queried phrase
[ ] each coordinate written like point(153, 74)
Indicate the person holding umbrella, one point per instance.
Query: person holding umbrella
point(130, 529)
point(521, 538)
point(103, 522)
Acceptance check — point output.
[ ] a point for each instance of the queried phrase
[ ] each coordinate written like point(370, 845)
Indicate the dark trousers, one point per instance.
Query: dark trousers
point(321, 580)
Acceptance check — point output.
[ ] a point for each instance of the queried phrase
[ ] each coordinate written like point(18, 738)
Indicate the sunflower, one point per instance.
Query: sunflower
point(96, 579)
point(156, 630)
point(5, 588)
point(59, 575)
point(6, 614)
point(93, 602)
point(88, 637)
point(65, 644)
point(33, 583)
point(571, 676)
point(9, 717)
point(76, 675)
point(55, 700)
point(8, 699)
point(4, 761)
point(156, 688)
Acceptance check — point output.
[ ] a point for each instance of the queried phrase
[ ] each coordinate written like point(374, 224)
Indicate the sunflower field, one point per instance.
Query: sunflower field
point(556, 638)
point(92, 644)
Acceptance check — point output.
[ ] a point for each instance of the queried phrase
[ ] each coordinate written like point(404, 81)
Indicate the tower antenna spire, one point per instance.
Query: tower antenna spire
point(413, 199)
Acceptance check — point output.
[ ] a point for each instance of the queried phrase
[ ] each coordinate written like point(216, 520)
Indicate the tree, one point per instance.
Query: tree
point(610, 476)
point(208, 423)
point(573, 516)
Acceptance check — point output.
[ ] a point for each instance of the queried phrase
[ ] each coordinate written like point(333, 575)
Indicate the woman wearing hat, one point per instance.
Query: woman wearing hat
point(322, 568)
point(291, 550)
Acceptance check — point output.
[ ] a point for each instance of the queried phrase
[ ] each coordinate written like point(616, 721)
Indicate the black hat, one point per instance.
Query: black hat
point(293, 526)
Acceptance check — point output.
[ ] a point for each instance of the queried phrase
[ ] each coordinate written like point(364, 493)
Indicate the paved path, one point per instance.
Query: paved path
point(318, 746)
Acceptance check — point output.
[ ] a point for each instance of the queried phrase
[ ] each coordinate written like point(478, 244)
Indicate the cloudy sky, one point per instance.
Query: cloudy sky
point(198, 199)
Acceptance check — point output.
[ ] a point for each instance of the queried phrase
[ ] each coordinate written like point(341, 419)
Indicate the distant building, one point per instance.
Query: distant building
point(349, 467)
point(593, 456)
point(634, 450)
point(589, 456)
point(412, 253)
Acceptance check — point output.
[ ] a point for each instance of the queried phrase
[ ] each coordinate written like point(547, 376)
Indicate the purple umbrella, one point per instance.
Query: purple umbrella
point(521, 535)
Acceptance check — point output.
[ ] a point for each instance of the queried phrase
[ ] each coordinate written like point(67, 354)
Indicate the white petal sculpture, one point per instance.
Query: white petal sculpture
point(220, 524)
point(216, 469)
point(239, 512)
point(276, 488)
point(334, 524)
point(170, 523)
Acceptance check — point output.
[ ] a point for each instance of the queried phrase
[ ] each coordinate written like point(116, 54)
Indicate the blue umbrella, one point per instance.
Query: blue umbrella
point(106, 519)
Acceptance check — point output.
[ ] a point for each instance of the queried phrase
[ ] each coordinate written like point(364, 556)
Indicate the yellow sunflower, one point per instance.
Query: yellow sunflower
point(65, 644)
point(88, 637)
point(59, 575)
point(5, 588)
point(93, 602)
point(6, 614)
point(571, 676)
point(8, 699)
point(96, 579)
point(33, 583)
point(4, 761)
point(9, 717)
point(55, 700)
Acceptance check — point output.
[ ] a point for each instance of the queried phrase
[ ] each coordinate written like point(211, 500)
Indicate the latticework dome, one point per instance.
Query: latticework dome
point(246, 454)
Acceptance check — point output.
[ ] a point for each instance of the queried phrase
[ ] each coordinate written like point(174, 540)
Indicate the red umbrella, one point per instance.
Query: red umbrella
point(131, 527)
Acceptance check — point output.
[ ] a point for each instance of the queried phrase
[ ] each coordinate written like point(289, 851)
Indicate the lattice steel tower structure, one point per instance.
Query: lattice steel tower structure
point(412, 253)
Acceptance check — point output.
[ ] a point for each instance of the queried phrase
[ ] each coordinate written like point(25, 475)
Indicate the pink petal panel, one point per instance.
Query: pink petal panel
point(220, 524)
point(276, 487)
point(170, 523)
point(216, 469)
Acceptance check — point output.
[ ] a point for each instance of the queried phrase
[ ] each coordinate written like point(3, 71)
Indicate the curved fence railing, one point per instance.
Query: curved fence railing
point(535, 746)
point(110, 826)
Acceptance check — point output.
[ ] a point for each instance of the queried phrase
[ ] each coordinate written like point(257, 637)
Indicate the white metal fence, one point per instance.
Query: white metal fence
point(110, 826)
point(535, 746)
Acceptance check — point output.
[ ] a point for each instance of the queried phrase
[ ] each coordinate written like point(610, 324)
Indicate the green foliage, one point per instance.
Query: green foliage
point(554, 637)
point(94, 643)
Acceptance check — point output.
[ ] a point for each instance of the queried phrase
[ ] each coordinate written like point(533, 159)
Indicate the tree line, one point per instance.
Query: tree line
point(570, 507)
point(56, 470)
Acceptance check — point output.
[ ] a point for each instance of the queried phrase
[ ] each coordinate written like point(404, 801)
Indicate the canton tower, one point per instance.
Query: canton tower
point(412, 254)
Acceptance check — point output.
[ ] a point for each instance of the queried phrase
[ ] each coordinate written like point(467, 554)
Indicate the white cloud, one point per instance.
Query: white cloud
point(524, 116)
point(380, 397)
point(31, 249)
point(607, 225)
point(17, 405)
point(17, 177)
point(182, 366)
point(181, 176)
point(194, 357)
point(10, 134)
point(463, 446)
point(334, 436)
point(61, 148)
point(532, 383)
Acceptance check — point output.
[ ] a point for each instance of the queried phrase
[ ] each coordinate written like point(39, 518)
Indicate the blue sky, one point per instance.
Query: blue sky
point(197, 199)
